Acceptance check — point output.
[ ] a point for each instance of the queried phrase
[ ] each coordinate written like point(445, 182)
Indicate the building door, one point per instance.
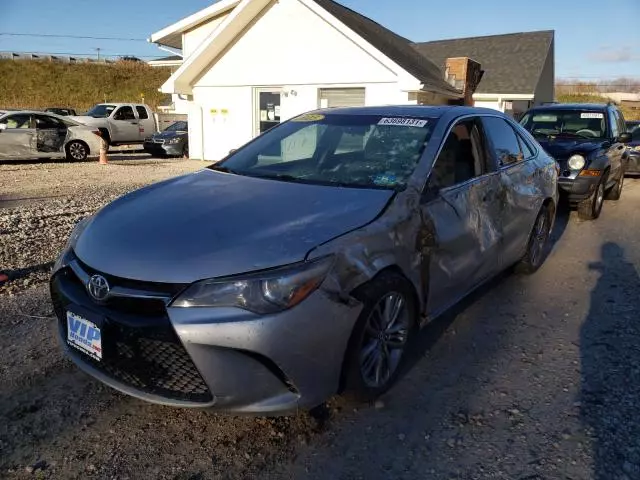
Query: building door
point(342, 97)
point(267, 105)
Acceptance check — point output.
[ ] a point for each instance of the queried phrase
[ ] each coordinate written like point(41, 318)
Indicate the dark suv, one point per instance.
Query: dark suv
point(588, 142)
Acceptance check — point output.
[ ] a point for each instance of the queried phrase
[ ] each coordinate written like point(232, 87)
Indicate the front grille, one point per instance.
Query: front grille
point(145, 355)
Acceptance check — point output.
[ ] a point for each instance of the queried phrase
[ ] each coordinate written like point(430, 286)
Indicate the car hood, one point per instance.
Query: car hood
point(171, 134)
point(211, 224)
point(563, 148)
point(86, 120)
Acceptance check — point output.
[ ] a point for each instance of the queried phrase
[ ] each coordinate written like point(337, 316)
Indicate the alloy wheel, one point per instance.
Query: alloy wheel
point(599, 198)
point(77, 151)
point(385, 338)
point(539, 240)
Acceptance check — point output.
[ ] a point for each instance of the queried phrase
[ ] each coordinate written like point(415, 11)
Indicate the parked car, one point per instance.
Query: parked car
point(172, 142)
point(633, 164)
point(588, 141)
point(306, 260)
point(63, 112)
point(26, 134)
point(121, 123)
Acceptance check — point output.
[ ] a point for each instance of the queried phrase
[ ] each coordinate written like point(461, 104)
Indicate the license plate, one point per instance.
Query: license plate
point(84, 335)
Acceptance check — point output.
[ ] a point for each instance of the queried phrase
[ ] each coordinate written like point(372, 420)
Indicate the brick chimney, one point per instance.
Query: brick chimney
point(464, 74)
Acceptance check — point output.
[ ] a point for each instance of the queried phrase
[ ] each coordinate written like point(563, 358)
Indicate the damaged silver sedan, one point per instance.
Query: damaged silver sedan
point(26, 135)
point(303, 264)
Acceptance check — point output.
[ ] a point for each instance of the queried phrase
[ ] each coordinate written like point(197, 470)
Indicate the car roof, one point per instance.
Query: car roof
point(38, 112)
point(407, 110)
point(600, 107)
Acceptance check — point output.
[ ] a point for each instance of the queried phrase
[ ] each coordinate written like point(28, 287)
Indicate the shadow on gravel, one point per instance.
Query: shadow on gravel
point(563, 215)
point(25, 272)
point(610, 353)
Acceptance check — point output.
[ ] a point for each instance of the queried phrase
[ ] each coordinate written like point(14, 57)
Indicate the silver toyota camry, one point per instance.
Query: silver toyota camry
point(304, 263)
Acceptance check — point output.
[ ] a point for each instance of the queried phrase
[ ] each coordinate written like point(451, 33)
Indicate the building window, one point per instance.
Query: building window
point(341, 97)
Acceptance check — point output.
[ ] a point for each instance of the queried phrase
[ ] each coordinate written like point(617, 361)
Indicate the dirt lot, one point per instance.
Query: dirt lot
point(531, 378)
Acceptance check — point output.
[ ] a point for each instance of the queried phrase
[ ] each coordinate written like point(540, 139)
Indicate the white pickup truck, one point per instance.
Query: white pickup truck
point(120, 123)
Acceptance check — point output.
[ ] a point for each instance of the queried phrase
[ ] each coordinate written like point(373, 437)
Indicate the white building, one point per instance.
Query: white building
point(250, 64)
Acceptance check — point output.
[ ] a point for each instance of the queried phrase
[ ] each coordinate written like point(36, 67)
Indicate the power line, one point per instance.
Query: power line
point(86, 54)
point(44, 35)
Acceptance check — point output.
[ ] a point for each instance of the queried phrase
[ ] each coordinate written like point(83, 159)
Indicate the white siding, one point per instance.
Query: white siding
point(290, 44)
point(491, 104)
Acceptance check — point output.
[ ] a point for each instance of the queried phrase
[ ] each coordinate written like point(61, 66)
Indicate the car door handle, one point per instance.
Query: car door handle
point(134, 123)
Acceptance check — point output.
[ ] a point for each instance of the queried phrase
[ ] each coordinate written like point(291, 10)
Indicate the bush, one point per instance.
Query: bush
point(32, 84)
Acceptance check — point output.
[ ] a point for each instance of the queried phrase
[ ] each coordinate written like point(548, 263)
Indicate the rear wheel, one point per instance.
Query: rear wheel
point(77, 151)
point(616, 191)
point(381, 336)
point(590, 208)
point(538, 243)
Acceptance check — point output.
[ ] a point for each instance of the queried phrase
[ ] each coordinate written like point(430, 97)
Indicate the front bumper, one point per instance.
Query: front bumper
point(221, 358)
point(577, 188)
point(162, 149)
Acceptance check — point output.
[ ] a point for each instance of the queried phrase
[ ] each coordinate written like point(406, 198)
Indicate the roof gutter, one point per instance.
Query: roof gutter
point(503, 96)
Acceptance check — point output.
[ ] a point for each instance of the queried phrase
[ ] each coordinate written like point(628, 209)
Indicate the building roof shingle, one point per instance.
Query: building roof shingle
point(512, 63)
point(397, 48)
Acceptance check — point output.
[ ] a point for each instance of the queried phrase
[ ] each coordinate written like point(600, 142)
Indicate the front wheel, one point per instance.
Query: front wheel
point(616, 191)
point(381, 336)
point(590, 208)
point(77, 151)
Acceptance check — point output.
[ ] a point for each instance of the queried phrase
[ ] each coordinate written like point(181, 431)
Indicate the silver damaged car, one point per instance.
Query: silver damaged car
point(304, 263)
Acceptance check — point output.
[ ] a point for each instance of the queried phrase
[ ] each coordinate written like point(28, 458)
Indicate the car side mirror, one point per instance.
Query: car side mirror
point(624, 137)
point(232, 150)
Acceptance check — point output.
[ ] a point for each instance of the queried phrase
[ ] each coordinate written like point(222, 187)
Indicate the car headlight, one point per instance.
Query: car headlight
point(576, 162)
point(172, 141)
point(65, 255)
point(261, 293)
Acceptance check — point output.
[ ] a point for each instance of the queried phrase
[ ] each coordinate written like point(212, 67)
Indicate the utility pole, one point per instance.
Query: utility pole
point(98, 50)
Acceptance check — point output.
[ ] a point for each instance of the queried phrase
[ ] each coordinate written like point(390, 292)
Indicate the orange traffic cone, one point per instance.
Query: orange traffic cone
point(103, 152)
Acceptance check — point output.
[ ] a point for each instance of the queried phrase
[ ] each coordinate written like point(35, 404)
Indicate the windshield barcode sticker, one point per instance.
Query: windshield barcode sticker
point(403, 122)
point(592, 115)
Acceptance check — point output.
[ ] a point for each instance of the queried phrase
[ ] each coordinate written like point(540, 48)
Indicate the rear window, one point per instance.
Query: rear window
point(571, 123)
point(142, 113)
point(101, 111)
point(349, 150)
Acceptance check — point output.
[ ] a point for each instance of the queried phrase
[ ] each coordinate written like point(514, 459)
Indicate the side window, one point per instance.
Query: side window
point(613, 124)
point(504, 140)
point(44, 122)
point(124, 113)
point(622, 127)
point(142, 112)
point(526, 148)
point(17, 121)
point(461, 157)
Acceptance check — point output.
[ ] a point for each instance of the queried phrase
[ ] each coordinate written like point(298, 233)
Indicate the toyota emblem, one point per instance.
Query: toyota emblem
point(98, 287)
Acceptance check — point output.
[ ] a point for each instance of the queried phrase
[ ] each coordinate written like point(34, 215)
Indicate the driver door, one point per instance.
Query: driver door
point(461, 207)
point(124, 125)
point(17, 137)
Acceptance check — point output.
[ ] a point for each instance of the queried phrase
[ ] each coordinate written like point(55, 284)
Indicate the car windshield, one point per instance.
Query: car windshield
point(177, 127)
point(371, 151)
point(101, 111)
point(569, 123)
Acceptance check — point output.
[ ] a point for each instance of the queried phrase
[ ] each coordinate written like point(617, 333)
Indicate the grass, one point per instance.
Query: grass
point(40, 84)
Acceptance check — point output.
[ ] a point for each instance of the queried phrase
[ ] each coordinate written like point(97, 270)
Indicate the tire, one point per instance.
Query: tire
point(537, 245)
point(615, 192)
point(77, 151)
point(372, 364)
point(590, 208)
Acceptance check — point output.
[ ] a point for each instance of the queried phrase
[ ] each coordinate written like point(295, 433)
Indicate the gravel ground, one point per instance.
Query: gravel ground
point(530, 378)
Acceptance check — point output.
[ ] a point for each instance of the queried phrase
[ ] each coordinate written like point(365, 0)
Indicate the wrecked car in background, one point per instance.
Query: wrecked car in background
point(633, 164)
point(304, 263)
point(25, 134)
point(588, 142)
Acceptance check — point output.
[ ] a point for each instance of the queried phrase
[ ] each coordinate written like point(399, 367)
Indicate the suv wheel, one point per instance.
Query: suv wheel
point(616, 191)
point(590, 208)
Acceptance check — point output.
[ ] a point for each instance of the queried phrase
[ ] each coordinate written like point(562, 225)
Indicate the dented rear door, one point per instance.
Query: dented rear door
point(17, 138)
